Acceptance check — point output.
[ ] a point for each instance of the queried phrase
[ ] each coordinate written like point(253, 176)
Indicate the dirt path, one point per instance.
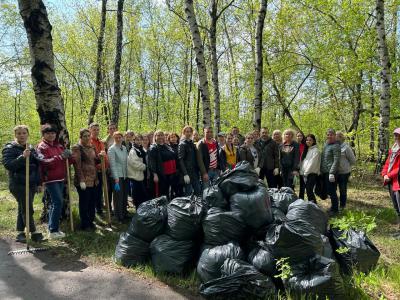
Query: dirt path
point(46, 276)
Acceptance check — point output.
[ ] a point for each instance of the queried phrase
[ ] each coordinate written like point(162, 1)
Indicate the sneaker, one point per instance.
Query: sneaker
point(56, 235)
point(21, 237)
point(36, 236)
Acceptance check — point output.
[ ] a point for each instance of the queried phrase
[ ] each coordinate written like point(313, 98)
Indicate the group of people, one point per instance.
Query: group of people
point(144, 166)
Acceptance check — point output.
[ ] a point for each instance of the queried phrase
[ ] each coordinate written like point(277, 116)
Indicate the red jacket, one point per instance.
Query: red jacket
point(52, 165)
point(394, 172)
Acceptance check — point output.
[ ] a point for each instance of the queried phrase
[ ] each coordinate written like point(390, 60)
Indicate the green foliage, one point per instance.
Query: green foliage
point(342, 250)
point(356, 220)
point(284, 269)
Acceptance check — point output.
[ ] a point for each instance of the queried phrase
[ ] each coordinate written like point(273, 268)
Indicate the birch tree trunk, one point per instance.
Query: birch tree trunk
point(384, 99)
point(200, 61)
point(258, 81)
point(49, 102)
point(116, 100)
point(99, 78)
point(214, 65)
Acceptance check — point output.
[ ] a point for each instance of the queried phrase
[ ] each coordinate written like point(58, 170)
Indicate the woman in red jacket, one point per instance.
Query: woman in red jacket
point(52, 156)
point(390, 174)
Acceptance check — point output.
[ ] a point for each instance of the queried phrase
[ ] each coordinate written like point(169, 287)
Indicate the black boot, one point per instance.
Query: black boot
point(21, 237)
point(37, 236)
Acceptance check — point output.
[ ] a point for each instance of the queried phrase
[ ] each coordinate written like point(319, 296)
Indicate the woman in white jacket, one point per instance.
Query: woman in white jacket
point(136, 171)
point(310, 166)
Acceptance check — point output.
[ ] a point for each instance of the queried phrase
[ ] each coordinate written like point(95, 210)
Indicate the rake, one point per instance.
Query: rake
point(105, 192)
point(27, 215)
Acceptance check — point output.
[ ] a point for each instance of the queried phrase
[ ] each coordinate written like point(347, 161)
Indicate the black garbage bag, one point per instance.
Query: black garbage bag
point(295, 239)
point(261, 258)
point(278, 216)
point(242, 178)
point(239, 280)
point(213, 197)
point(361, 253)
point(317, 276)
point(211, 260)
point(131, 251)
point(327, 250)
point(184, 218)
point(254, 206)
point(171, 256)
point(221, 227)
point(150, 219)
point(283, 198)
point(309, 212)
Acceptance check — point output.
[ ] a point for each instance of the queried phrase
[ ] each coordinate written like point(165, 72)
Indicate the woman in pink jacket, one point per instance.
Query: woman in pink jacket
point(52, 157)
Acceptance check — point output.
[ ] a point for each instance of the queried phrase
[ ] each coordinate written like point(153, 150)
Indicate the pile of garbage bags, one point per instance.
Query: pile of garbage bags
point(237, 232)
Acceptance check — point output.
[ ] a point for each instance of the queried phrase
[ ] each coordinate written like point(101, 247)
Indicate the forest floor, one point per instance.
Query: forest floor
point(96, 249)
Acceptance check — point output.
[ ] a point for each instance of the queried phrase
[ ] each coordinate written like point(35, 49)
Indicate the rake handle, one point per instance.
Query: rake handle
point(69, 195)
point(105, 189)
point(27, 221)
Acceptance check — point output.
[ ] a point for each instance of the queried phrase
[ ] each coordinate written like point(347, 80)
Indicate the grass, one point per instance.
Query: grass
point(365, 194)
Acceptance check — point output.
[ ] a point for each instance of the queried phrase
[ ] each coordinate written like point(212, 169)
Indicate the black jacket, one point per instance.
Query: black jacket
point(203, 157)
point(187, 157)
point(14, 162)
point(269, 154)
point(290, 156)
point(245, 154)
point(158, 154)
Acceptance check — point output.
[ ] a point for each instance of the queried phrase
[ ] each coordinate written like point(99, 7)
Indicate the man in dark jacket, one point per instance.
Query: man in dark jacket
point(209, 157)
point(187, 157)
point(14, 158)
point(269, 158)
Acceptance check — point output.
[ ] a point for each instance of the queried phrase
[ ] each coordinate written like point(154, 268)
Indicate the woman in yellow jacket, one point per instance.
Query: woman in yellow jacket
point(230, 152)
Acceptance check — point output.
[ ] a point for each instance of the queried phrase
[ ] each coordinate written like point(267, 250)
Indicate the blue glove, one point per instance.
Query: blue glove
point(117, 188)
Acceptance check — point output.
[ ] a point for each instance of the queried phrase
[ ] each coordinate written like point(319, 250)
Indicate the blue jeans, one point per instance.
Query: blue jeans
point(55, 190)
point(193, 186)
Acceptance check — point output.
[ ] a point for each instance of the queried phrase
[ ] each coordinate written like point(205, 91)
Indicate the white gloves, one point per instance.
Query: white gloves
point(82, 185)
point(186, 179)
point(331, 178)
point(276, 172)
point(258, 171)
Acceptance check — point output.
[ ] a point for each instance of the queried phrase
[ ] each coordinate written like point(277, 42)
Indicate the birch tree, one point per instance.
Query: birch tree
point(384, 99)
point(99, 65)
point(116, 100)
point(200, 61)
point(49, 102)
point(258, 82)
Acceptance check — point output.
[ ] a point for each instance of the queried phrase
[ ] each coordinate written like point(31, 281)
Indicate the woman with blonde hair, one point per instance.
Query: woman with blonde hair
point(118, 158)
point(14, 156)
point(162, 164)
point(290, 158)
point(230, 152)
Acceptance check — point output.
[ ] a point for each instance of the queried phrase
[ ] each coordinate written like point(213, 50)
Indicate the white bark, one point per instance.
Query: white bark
point(214, 65)
point(99, 78)
point(258, 82)
point(49, 102)
point(384, 100)
point(200, 61)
